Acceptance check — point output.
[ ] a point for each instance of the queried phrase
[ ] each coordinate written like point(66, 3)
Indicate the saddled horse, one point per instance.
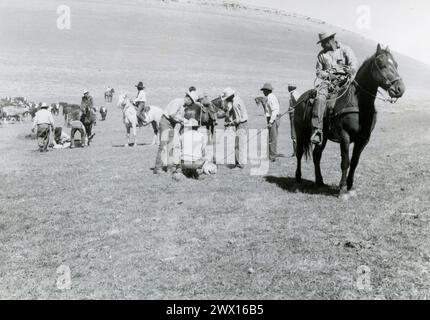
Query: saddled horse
point(152, 115)
point(109, 94)
point(354, 116)
point(210, 112)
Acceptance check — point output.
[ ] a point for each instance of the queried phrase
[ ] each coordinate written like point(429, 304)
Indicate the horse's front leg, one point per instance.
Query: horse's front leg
point(155, 127)
point(317, 154)
point(358, 149)
point(344, 149)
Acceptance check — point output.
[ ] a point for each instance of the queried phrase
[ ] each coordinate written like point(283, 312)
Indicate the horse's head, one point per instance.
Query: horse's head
point(385, 73)
point(122, 99)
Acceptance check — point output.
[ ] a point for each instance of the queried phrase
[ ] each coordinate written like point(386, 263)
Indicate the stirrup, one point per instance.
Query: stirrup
point(314, 136)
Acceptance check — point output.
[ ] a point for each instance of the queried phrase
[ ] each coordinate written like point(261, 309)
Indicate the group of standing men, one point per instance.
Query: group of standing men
point(178, 115)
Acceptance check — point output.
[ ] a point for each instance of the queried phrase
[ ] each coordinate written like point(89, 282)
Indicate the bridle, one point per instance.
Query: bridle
point(386, 82)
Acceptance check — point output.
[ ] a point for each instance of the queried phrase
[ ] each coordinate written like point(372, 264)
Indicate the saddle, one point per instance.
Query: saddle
point(339, 103)
point(207, 107)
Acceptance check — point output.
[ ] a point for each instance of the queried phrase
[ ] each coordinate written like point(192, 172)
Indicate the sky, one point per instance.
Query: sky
point(402, 25)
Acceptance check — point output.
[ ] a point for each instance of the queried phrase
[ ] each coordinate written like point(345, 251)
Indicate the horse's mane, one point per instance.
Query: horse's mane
point(365, 65)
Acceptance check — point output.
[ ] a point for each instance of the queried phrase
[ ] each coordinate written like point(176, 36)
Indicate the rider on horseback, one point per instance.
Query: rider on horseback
point(140, 102)
point(334, 61)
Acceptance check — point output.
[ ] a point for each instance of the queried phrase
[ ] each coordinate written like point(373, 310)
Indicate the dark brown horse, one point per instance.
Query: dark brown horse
point(354, 117)
point(208, 114)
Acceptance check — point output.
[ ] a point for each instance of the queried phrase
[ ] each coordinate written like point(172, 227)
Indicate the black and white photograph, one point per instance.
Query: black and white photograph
point(214, 150)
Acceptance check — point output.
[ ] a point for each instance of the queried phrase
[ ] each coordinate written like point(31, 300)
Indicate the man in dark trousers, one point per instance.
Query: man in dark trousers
point(44, 122)
point(272, 116)
point(294, 98)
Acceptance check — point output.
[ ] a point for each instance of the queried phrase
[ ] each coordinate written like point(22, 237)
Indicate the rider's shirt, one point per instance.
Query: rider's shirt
point(342, 56)
point(141, 96)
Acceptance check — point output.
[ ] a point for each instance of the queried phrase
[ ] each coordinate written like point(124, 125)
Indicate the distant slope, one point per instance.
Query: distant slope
point(169, 46)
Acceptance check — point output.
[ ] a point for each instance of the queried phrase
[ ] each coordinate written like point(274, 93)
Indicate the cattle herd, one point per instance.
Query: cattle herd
point(19, 108)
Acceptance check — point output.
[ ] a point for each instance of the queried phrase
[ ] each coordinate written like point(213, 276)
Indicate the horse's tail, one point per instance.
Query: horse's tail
point(303, 124)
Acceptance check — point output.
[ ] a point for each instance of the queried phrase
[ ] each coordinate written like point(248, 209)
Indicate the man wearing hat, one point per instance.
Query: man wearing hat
point(294, 98)
point(237, 119)
point(44, 121)
point(272, 116)
point(140, 101)
point(170, 125)
point(193, 146)
point(334, 58)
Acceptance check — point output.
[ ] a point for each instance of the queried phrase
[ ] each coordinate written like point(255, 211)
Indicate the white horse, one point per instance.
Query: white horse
point(129, 116)
point(153, 116)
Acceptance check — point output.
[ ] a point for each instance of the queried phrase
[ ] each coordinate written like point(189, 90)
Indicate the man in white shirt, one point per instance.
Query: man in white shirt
point(294, 98)
point(44, 122)
point(272, 115)
point(236, 118)
point(193, 149)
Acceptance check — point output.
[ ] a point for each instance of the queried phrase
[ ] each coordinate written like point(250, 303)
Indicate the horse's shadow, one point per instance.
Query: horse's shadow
point(306, 186)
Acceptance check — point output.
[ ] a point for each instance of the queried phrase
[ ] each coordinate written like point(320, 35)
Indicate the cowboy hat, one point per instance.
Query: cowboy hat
point(140, 85)
point(193, 95)
point(292, 87)
point(191, 123)
point(44, 105)
point(267, 86)
point(227, 93)
point(86, 91)
point(325, 36)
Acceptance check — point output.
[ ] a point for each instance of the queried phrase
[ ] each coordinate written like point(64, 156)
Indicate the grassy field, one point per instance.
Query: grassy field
point(125, 233)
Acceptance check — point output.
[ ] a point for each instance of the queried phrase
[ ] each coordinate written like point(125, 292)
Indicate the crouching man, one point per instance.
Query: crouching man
point(193, 142)
point(77, 125)
point(44, 122)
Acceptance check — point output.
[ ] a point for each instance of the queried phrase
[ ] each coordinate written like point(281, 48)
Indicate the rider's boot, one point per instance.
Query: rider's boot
point(140, 120)
point(318, 121)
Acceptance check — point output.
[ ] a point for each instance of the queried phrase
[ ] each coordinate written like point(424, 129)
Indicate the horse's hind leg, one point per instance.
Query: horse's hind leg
point(317, 154)
point(344, 149)
point(134, 134)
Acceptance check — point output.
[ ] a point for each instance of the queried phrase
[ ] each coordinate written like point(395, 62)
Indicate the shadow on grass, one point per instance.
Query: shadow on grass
point(131, 145)
point(306, 186)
